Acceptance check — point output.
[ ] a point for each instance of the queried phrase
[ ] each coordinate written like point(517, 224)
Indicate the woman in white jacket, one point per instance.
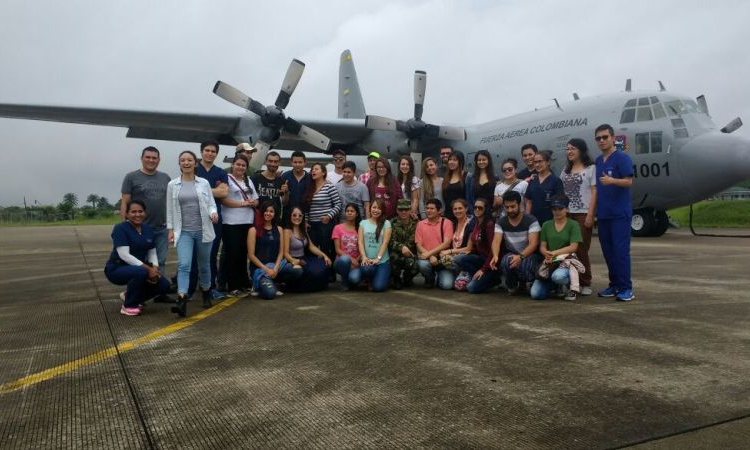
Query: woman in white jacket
point(191, 213)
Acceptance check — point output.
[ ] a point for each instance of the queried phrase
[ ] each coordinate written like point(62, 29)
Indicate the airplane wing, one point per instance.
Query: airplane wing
point(182, 127)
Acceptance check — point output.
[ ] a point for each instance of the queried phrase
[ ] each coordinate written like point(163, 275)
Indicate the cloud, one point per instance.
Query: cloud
point(485, 60)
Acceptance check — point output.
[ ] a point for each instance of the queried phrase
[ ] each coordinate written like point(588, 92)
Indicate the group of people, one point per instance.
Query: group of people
point(528, 229)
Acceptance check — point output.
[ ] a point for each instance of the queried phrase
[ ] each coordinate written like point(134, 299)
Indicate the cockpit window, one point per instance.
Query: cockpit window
point(675, 108)
point(691, 106)
point(642, 109)
point(644, 114)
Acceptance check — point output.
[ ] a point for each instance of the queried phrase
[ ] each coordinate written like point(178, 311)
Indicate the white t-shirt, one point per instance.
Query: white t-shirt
point(520, 187)
point(416, 184)
point(242, 215)
point(333, 177)
point(577, 187)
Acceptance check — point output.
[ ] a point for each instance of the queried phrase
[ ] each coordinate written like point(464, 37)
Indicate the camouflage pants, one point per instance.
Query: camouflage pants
point(403, 263)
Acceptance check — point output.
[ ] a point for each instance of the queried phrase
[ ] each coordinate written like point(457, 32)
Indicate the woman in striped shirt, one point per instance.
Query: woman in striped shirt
point(323, 205)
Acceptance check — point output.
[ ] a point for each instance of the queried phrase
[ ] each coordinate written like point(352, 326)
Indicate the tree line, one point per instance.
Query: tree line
point(68, 209)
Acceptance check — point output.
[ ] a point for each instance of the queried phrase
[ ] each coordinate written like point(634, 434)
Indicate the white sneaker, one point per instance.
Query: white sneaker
point(254, 293)
point(586, 290)
point(570, 296)
point(279, 293)
point(122, 295)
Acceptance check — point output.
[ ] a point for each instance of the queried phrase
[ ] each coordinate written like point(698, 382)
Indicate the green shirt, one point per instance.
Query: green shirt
point(570, 233)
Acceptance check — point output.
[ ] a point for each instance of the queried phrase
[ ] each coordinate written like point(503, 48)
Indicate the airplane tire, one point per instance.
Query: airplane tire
point(662, 223)
point(643, 223)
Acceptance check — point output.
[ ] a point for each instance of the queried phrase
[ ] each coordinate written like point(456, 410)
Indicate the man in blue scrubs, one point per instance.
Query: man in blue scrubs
point(614, 176)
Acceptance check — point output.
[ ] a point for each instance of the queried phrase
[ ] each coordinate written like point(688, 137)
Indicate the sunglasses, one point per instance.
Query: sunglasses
point(508, 169)
point(338, 158)
point(601, 138)
point(480, 207)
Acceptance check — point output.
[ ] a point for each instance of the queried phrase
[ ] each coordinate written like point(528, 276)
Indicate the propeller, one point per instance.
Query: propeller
point(415, 128)
point(733, 125)
point(272, 117)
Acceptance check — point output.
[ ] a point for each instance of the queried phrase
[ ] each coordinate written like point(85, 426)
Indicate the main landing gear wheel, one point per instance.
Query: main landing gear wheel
point(648, 223)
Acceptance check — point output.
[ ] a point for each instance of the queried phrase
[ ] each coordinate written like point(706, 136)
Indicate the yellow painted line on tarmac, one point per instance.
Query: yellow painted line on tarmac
point(50, 373)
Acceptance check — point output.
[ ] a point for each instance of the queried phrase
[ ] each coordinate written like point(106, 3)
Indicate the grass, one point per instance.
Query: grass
point(715, 214)
point(78, 221)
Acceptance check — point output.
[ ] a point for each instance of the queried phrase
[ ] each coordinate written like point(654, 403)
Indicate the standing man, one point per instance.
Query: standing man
point(433, 235)
point(354, 191)
point(269, 184)
point(296, 180)
point(335, 175)
point(614, 176)
point(217, 178)
point(403, 249)
point(521, 233)
point(527, 153)
point(372, 159)
point(149, 186)
point(445, 153)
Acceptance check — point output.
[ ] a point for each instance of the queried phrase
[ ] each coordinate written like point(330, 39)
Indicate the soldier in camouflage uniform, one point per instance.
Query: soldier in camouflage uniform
point(403, 249)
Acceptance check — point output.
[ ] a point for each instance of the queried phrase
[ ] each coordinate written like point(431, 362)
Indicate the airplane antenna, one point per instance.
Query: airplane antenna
point(557, 103)
point(627, 85)
point(575, 96)
point(661, 86)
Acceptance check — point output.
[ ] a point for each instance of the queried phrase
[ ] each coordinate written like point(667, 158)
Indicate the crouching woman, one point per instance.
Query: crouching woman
point(559, 239)
point(374, 235)
point(265, 248)
point(133, 261)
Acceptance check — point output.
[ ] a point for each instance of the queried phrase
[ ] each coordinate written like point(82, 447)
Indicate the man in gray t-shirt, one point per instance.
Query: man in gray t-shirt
point(354, 191)
point(150, 186)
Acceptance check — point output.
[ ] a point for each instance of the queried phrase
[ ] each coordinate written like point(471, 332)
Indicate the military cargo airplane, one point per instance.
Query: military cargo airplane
point(679, 154)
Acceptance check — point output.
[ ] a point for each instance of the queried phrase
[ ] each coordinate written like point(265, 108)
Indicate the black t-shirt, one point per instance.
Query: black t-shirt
point(268, 189)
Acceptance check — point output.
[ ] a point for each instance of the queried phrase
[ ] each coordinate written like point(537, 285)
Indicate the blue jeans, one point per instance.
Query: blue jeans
point(379, 275)
point(445, 277)
point(541, 288)
point(138, 288)
point(469, 262)
point(486, 281)
point(349, 276)
point(162, 247)
point(524, 272)
point(189, 241)
point(266, 286)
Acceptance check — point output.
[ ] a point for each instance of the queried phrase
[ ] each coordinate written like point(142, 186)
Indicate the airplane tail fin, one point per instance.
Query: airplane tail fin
point(351, 105)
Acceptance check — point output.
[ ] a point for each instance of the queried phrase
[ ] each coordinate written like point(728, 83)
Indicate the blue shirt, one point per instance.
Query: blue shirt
point(541, 195)
point(296, 188)
point(613, 202)
point(124, 234)
point(213, 176)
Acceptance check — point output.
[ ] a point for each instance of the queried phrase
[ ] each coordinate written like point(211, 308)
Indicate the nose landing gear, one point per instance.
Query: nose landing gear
point(647, 222)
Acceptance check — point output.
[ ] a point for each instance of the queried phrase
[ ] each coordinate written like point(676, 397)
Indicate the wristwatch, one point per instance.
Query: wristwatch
point(521, 255)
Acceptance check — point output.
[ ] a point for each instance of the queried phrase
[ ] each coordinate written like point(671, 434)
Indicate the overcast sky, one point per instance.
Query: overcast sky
point(484, 59)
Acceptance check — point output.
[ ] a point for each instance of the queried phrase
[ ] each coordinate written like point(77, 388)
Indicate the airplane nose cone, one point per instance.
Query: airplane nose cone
point(715, 161)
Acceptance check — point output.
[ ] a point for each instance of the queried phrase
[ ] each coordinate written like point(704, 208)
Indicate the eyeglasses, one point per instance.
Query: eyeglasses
point(445, 154)
point(507, 169)
point(601, 138)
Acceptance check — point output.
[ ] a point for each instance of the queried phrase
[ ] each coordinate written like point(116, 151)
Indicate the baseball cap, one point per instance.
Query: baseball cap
point(245, 147)
point(559, 203)
point(403, 203)
point(373, 155)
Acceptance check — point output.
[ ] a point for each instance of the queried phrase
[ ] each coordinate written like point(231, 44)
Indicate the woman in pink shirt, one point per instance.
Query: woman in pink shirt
point(345, 238)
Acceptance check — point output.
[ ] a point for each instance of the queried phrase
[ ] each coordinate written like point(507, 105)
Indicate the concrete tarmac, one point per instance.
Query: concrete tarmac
point(417, 368)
